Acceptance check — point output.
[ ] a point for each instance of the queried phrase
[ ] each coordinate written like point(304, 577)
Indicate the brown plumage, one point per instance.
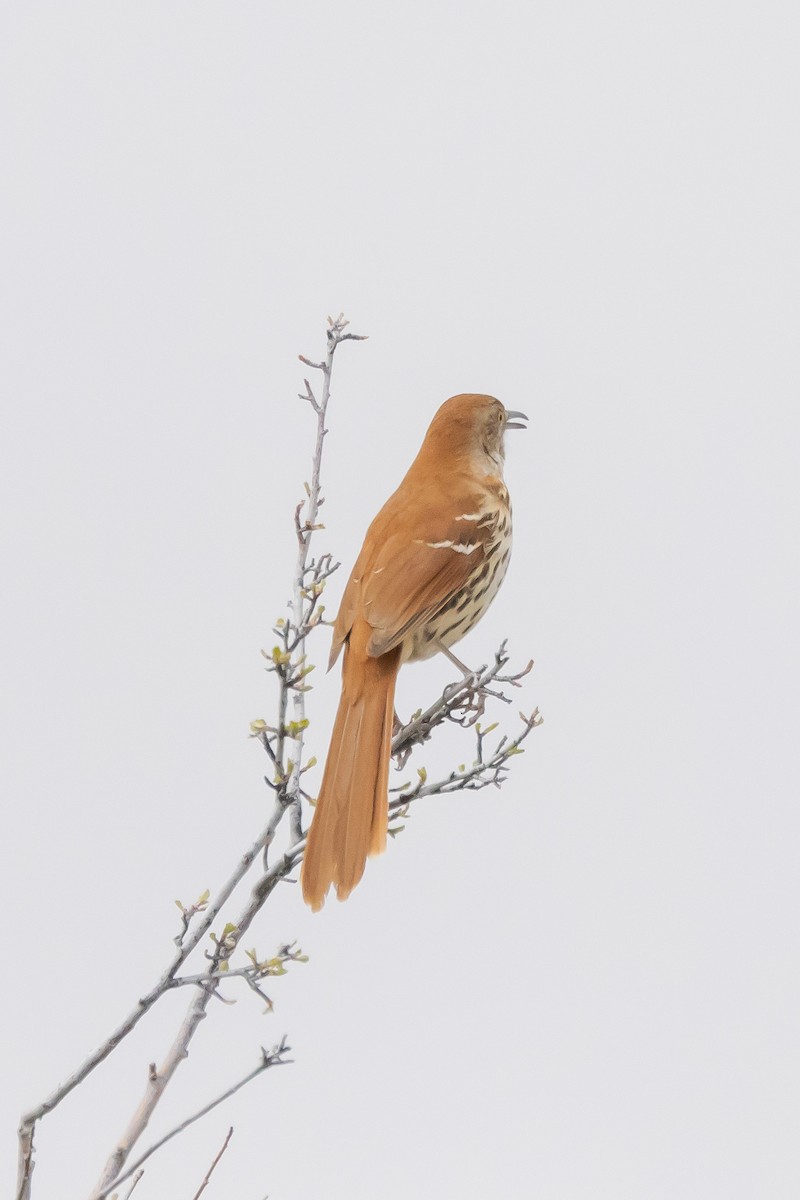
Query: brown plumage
point(432, 562)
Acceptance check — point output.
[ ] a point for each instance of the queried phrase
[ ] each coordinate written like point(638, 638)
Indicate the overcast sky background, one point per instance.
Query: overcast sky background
point(586, 986)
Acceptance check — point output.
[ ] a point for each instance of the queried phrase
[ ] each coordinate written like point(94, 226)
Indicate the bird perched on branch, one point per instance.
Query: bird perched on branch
point(431, 564)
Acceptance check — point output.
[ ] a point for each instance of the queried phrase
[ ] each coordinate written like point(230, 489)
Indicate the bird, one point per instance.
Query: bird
point(432, 562)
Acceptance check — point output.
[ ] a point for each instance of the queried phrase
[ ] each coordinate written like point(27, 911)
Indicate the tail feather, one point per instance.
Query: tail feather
point(351, 816)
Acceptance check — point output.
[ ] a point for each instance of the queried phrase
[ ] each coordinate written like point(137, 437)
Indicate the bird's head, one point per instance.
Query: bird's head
point(474, 426)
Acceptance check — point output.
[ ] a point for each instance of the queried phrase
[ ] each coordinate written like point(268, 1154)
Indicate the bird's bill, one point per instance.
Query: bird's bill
point(514, 420)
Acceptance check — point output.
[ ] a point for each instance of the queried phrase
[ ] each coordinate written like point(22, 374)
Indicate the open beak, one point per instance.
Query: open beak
point(514, 419)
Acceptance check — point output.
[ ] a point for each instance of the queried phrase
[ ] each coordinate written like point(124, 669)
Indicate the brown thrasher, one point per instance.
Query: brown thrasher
point(431, 564)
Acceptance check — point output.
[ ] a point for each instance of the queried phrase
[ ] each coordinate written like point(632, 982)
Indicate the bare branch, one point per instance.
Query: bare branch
point(269, 1058)
point(304, 597)
point(25, 1163)
point(145, 1003)
point(157, 1082)
point(462, 703)
point(479, 775)
point(207, 988)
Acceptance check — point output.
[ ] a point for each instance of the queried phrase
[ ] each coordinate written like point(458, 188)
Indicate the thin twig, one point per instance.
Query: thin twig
point(480, 775)
point(252, 974)
point(134, 1182)
point(301, 593)
point(462, 702)
point(210, 1171)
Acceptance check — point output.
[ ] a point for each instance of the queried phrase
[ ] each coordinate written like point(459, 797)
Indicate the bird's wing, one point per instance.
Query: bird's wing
point(414, 579)
point(418, 553)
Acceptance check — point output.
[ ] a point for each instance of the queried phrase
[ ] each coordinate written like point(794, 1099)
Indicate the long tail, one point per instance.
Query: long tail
point(352, 812)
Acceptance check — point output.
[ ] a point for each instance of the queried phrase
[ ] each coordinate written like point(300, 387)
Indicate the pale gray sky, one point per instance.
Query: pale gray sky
point(586, 986)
